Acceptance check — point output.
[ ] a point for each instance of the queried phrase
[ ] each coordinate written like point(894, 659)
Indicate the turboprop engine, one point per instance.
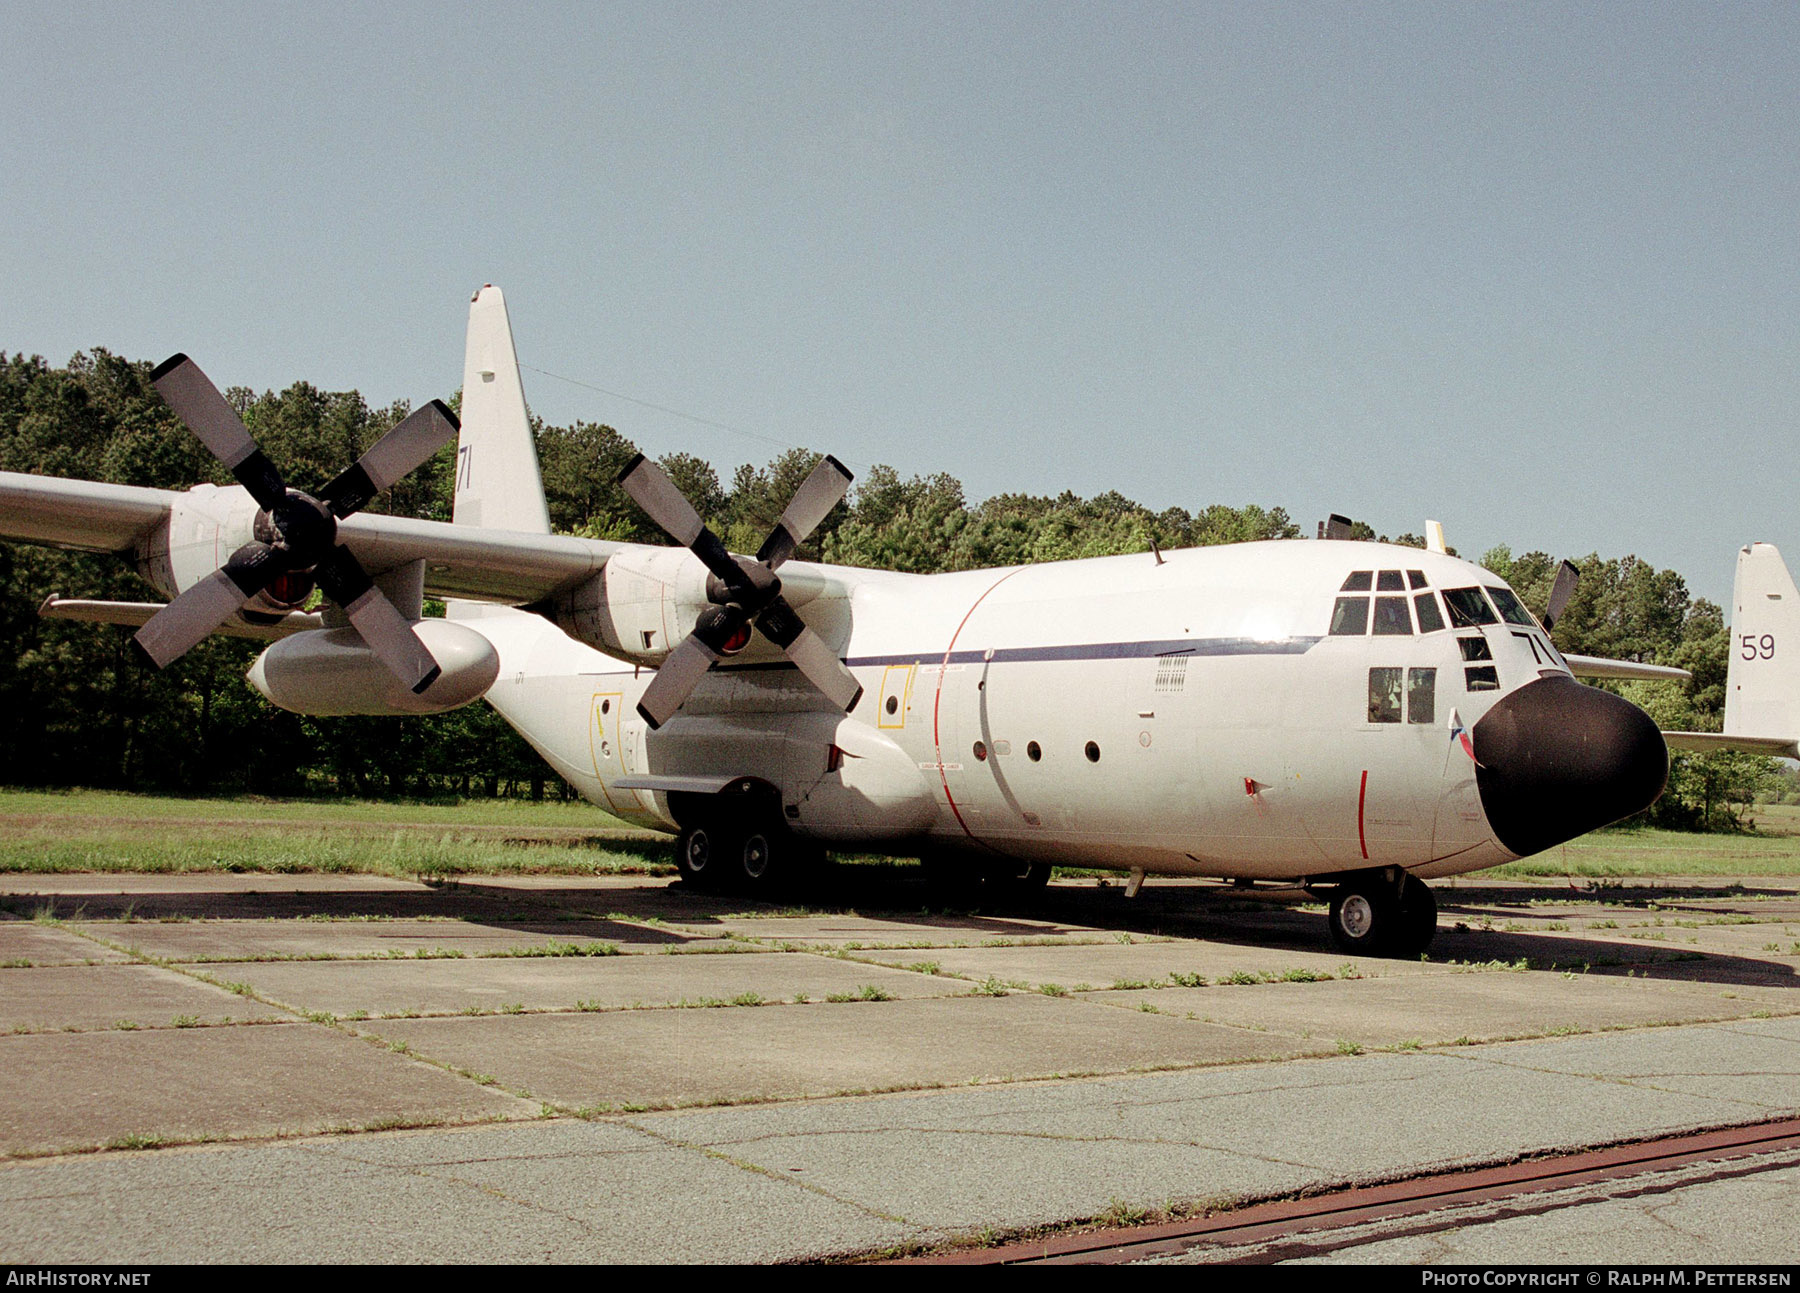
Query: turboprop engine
point(329, 672)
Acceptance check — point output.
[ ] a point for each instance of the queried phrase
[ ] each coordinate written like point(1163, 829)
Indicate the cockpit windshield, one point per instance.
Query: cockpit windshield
point(1512, 610)
point(1468, 608)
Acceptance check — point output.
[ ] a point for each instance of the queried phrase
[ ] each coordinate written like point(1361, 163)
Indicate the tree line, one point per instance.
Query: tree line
point(76, 709)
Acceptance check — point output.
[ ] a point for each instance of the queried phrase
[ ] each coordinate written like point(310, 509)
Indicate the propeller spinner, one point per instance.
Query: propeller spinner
point(296, 533)
point(745, 592)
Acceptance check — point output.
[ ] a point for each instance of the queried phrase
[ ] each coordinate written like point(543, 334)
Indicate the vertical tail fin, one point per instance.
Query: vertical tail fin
point(1762, 689)
point(497, 480)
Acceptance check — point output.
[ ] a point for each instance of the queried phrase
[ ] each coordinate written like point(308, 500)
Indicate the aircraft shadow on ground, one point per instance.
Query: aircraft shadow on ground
point(634, 913)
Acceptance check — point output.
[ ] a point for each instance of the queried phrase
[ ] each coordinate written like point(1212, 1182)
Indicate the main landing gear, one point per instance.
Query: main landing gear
point(738, 843)
point(1374, 915)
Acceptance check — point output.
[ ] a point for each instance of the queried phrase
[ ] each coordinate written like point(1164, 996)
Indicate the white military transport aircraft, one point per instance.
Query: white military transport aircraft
point(1354, 718)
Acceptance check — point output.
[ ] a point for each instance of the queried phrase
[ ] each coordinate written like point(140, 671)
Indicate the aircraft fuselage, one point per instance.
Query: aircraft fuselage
point(1278, 711)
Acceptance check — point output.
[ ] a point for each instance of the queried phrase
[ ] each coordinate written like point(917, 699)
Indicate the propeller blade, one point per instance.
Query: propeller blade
point(810, 654)
point(402, 449)
point(173, 630)
point(651, 489)
point(197, 403)
point(1567, 577)
point(389, 634)
point(823, 490)
point(676, 678)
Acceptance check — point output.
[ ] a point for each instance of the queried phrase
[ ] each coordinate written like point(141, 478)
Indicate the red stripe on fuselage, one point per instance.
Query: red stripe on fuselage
point(938, 700)
point(1362, 797)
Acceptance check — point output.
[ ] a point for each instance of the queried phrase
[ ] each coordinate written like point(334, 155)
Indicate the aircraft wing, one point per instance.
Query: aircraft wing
point(1591, 666)
point(1781, 747)
point(80, 514)
point(460, 560)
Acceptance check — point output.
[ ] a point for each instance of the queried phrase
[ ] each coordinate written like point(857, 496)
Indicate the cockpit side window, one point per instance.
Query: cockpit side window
point(1512, 610)
point(1430, 621)
point(1468, 608)
point(1358, 582)
point(1421, 695)
point(1417, 579)
point(1384, 695)
point(1389, 581)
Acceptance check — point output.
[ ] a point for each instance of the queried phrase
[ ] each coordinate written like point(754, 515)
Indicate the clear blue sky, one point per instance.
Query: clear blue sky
point(1529, 269)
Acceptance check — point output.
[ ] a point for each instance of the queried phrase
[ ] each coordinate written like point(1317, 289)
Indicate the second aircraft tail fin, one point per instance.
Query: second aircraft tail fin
point(497, 480)
point(1762, 691)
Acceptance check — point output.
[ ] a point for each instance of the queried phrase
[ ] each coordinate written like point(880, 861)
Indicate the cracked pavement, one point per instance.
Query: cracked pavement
point(612, 1069)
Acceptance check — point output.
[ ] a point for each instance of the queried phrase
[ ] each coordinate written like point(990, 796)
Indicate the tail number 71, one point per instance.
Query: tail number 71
point(1757, 648)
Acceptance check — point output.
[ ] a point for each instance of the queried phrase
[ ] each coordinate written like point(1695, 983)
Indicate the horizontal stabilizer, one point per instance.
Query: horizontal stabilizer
point(1590, 666)
point(1780, 747)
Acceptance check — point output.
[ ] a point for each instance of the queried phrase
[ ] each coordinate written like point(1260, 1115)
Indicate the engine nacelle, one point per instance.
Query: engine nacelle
point(204, 527)
point(645, 601)
point(328, 672)
point(638, 607)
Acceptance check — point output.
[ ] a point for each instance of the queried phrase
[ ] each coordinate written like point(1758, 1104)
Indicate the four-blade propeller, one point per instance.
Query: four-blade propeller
point(1567, 577)
point(745, 592)
point(296, 533)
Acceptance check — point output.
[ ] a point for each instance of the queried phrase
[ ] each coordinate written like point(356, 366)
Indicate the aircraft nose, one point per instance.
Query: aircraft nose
point(1555, 759)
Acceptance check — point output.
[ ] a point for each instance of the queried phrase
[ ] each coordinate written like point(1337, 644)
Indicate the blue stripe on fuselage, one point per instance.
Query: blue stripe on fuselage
point(1102, 651)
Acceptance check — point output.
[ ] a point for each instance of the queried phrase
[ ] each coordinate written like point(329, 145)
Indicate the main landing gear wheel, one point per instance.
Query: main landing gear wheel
point(771, 859)
point(1370, 917)
point(702, 856)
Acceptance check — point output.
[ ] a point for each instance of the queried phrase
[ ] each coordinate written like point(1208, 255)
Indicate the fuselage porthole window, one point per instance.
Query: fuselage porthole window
point(1392, 619)
point(1430, 620)
point(1468, 608)
point(1350, 617)
point(1092, 750)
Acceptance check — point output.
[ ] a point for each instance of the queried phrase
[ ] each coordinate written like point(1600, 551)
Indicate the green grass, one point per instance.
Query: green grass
point(84, 830)
point(1644, 851)
point(103, 831)
point(522, 813)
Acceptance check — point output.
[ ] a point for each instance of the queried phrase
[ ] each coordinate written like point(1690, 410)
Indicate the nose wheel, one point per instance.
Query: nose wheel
point(1373, 916)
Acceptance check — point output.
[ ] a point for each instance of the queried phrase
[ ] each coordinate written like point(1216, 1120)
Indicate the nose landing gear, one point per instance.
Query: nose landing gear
point(1371, 915)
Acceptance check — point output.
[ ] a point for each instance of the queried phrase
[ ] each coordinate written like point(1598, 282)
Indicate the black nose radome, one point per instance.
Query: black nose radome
point(1555, 759)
